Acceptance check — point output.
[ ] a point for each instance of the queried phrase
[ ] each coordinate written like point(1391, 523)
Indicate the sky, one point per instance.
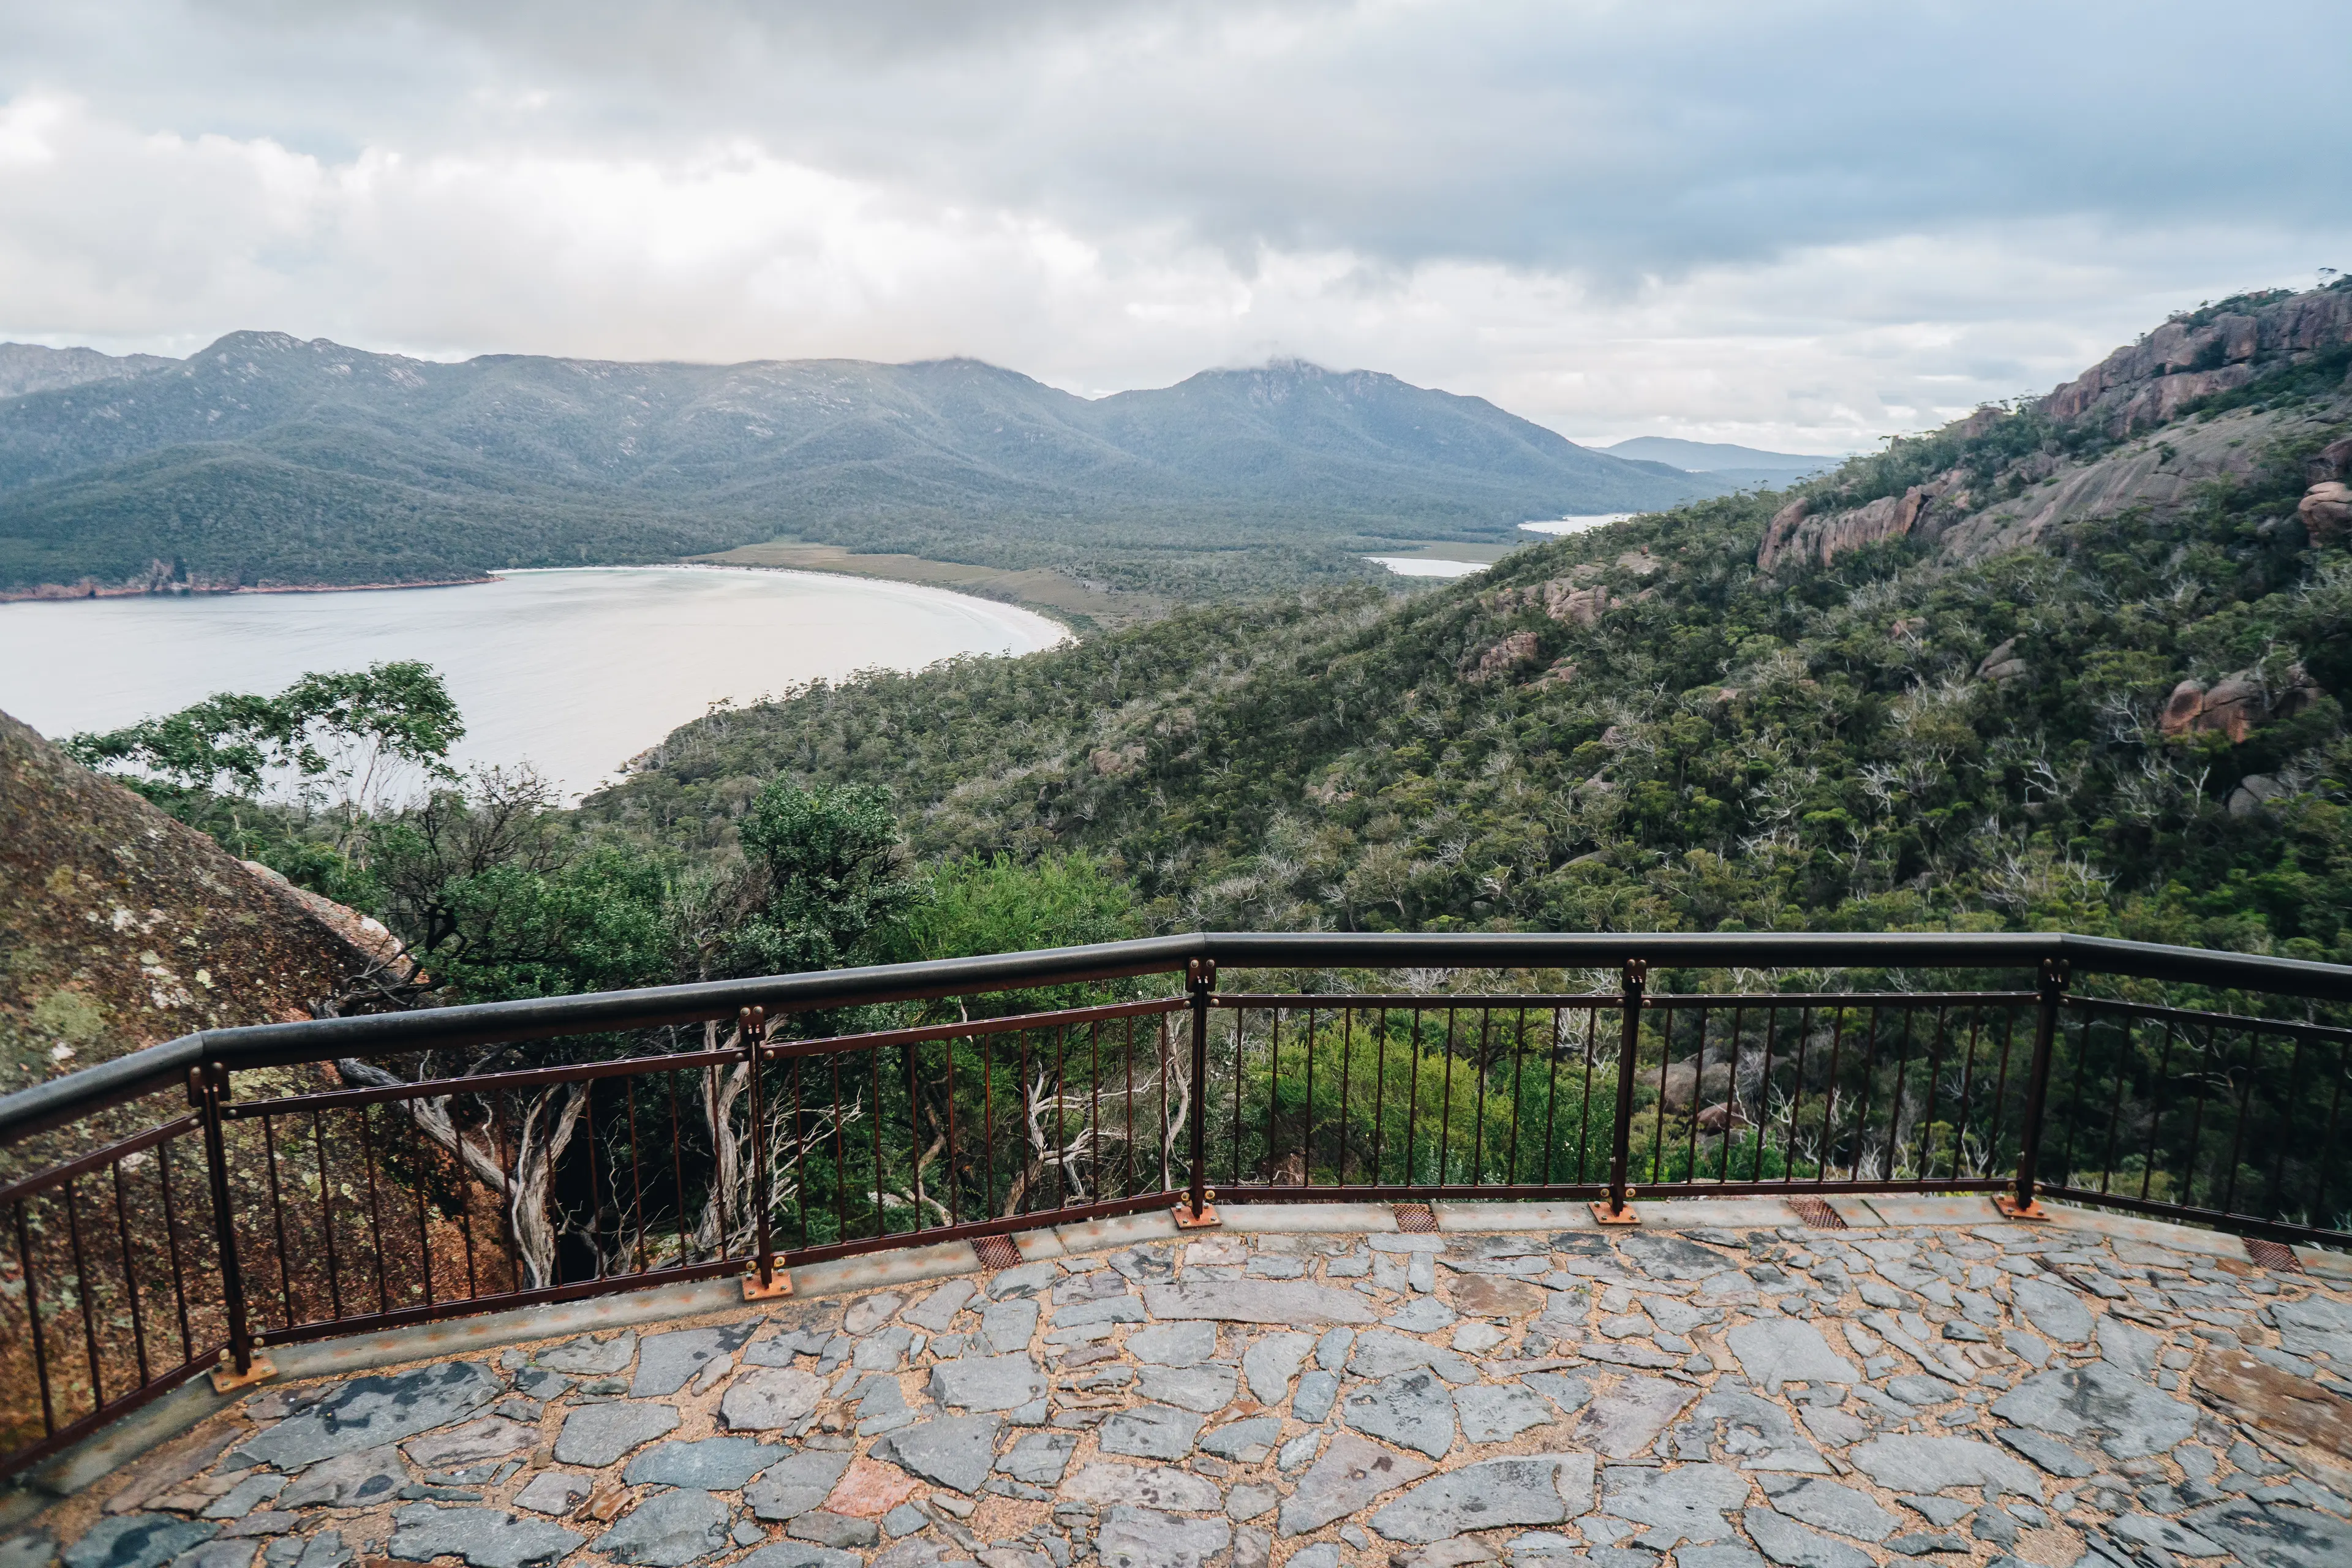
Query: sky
point(1801, 225)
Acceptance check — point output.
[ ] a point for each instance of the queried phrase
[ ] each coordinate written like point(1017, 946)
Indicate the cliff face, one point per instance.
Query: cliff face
point(2126, 414)
point(120, 927)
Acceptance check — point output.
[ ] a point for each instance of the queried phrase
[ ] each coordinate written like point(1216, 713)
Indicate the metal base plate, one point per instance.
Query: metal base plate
point(755, 1291)
point(1602, 1215)
point(227, 1379)
point(1187, 1220)
point(2007, 1205)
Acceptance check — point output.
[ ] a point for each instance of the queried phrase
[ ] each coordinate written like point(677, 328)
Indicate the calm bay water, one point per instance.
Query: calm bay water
point(573, 672)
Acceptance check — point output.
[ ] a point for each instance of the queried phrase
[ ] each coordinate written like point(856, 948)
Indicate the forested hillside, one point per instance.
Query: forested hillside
point(2075, 662)
point(264, 460)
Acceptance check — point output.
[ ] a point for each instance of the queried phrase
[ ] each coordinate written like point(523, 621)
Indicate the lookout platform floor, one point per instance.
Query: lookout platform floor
point(1310, 1387)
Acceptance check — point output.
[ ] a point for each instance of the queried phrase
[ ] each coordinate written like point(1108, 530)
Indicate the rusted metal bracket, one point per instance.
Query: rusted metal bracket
point(1603, 1214)
point(227, 1379)
point(780, 1285)
point(1204, 1218)
point(2011, 1209)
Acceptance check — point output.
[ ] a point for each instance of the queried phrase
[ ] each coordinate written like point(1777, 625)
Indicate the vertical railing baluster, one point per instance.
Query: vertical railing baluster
point(2001, 1082)
point(1584, 1107)
point(1347, 1049)
point(327, 1213)
point(678, 1167)
point(85, 1294)
point(1869, 1089)
point(1551, 1094)
point(873, 1072)
point(2327, 1143)
point(636, 1172)
point(1665, 1061)
point(1307, 1132)
point(1518, 1090)
point(2285, 1135)
point(130, 1272)
point(1273, 1085)
point(171, 1246)
point(1201, 977)
point(1830, 1101)
point(1763, 1120)
point(208, 1085)
point(1636, 976)
point(1412, 1091)
point(277, 1219)
point(1895, 1110)
point(1968, 1082)
point(2238, 1132)
point(2155, 1111)
point(752, 1022)
point(1478, 1099)
point(1927, 1157)
point(800, 1151)
point(2074, 1099)
point(1240, 1047)
point(840, 1155)
point(2124, 1058)
point(907, 1055)
point(33, 1317)
point(2037, 1089)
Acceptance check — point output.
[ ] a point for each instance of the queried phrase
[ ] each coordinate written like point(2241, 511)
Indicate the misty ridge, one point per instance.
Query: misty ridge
point(265, 460)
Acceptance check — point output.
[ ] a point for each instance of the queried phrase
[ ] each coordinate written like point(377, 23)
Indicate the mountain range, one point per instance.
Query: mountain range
point(267, 460)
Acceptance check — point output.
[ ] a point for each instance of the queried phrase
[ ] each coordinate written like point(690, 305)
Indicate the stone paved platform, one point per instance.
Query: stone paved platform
point(1709, 1396)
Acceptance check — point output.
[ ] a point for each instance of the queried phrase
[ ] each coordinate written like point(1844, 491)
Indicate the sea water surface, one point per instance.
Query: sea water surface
point(573, 672)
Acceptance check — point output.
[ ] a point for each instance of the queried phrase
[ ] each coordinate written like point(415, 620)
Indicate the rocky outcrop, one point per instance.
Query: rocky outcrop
point(1564, 599)
point(2002, 664)
point(2235, 704)
point(1518, 648)
point(1797, 533)
point(2141, 387)
point(2326, 511)
point(124, 927)
point(2133, 392)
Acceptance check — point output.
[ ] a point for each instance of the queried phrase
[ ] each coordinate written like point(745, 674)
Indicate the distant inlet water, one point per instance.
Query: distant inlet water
point(572, 670)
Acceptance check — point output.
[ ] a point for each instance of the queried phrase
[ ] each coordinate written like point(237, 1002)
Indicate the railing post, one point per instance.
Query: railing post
point(760, 1281)
point(207, 1090)
point(1200, 980)
point(1616, 1211)
point(2020, 1205)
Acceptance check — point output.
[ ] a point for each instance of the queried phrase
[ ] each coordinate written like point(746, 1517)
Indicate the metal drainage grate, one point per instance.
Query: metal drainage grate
point(1415, 1219)
point(996, 1252)
point(1817, 1213)
point(2274, 1255)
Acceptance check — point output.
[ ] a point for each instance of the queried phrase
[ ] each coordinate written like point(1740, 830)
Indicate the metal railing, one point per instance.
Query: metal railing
point(296, 1187)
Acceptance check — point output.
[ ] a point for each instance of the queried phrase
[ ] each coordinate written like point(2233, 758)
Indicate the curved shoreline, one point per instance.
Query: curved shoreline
point(54, 594)
point(570, 668)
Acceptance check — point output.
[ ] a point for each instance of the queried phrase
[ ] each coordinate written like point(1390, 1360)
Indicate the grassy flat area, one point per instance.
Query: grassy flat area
point(1062, 596)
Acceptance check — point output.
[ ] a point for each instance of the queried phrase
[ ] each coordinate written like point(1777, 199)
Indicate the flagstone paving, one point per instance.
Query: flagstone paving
point(1999, 1393)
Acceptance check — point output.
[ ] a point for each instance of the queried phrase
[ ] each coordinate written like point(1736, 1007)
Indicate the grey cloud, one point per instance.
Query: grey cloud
point(1616, 141)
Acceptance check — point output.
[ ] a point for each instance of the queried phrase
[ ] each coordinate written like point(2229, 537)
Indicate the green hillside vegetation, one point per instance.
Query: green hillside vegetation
point(1987, 711)
point(267, 461)
point(1903, 737)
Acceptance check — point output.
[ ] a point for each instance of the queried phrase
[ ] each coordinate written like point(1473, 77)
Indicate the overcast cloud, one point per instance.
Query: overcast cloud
point(1799, 225)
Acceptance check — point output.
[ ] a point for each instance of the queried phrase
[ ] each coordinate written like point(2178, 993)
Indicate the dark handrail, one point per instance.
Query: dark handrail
point(61, 1099)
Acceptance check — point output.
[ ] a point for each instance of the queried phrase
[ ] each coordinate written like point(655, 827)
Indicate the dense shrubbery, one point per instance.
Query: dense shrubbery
point(1729, 751)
